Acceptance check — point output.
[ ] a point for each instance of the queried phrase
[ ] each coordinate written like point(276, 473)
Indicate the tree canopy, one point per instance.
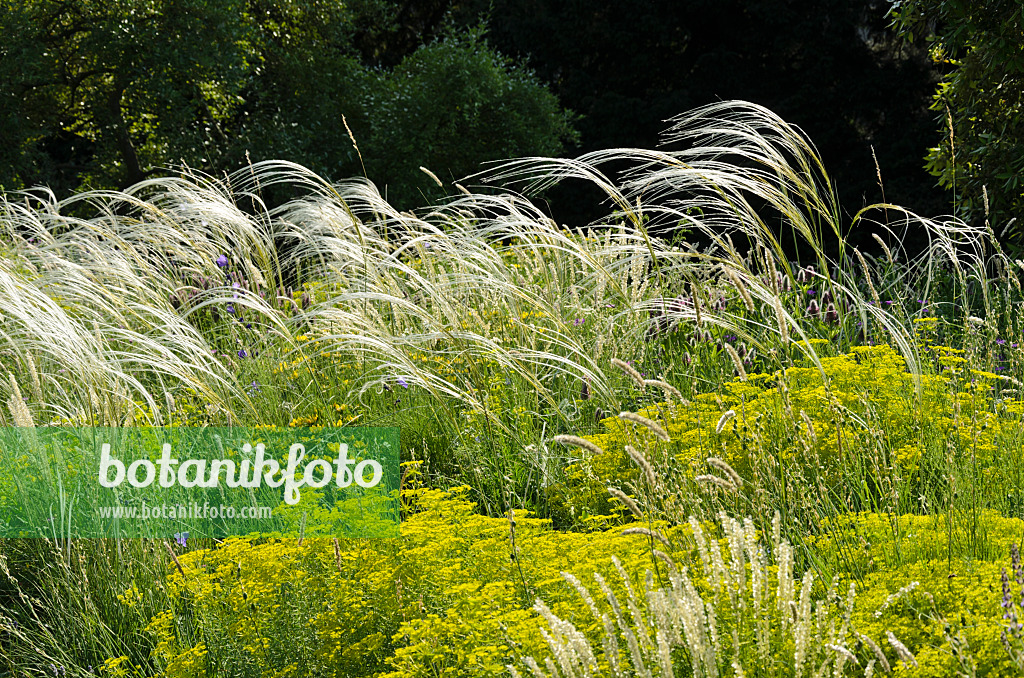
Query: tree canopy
point(979, 146)
point(106, 93)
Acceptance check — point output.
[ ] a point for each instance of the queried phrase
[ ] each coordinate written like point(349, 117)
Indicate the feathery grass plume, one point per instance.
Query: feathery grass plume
point(867, 277)
point(718, 481)
point(611, 645)
point(630, 371)
point(648, 533)
point(656, 429)
point(729, 471)
point(736, 361)
point(431, 175)
point(463, 189)
point(626, 500)
point(780, 317)
point(667, 559)
point(901, 650)
point(337, 555)
point(839, 649)
point(875, 650)
point(576, 441)
point(723, 420)
point(669, 389)
point(171, 405)
point(773, 276)
point(810, 426)
point(571, 648)
point(37, 387)
point(885, 248)
point(642, 462)
point(174, 557)
point(16, 405)
point(696, 304)
point(740, 287)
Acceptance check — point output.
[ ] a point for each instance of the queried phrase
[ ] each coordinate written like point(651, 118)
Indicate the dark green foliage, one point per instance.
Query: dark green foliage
point(450, 104)
point(982, 98)
point(108, 93)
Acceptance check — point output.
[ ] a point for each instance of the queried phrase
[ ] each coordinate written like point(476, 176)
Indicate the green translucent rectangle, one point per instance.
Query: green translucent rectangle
point(66, 482)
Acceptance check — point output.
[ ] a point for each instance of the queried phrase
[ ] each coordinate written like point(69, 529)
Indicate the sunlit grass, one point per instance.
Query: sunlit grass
point(484, 329)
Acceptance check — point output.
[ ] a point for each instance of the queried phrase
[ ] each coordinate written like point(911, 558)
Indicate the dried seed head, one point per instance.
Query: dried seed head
point(839, 649)
point(432, 176)
point(741, 288)
point(647, 533)
point(576, 441)
point(644, 465)
point(736, 361)
point(780, 316)
point(810, 426)
point(885, 248)
point(867, 276)
point(37, 387)
point(724, 419)
point(717, 481)
point(729, 471)
point(669, 389)
point(630, 371)
point(627, 501)
point(657, 430)
point(901, 650)
point(17, 407)
point(877, 651)
point(696, 304)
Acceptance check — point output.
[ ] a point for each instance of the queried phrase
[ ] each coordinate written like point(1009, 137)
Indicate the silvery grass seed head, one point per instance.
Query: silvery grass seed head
point(728, 470)
point(902, 652)
point(723, 420)
point(654, 428)
point(740, 371)
point(644, 465)
point(626, 500)
point(717, 481)
point(576, 441)
point(630, 371)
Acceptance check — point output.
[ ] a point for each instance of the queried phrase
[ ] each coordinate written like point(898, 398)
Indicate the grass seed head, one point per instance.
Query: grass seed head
point(656, 429)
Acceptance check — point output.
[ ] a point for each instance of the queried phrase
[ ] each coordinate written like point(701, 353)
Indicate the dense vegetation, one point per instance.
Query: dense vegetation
point(106, 94)
point(624, 454)
point(979, 147)
point(735, 419)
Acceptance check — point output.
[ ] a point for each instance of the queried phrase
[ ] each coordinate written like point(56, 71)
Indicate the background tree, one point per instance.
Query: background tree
point(99, 92)
point(107, 93)
point(980, 103)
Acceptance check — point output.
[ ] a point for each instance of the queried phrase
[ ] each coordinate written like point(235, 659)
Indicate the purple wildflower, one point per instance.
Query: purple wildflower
point(222, 261)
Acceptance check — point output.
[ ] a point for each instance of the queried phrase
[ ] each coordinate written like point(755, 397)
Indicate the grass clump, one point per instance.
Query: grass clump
point(673, 370)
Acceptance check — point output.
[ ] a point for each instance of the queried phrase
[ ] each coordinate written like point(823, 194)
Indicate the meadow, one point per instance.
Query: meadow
point(661, 444)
